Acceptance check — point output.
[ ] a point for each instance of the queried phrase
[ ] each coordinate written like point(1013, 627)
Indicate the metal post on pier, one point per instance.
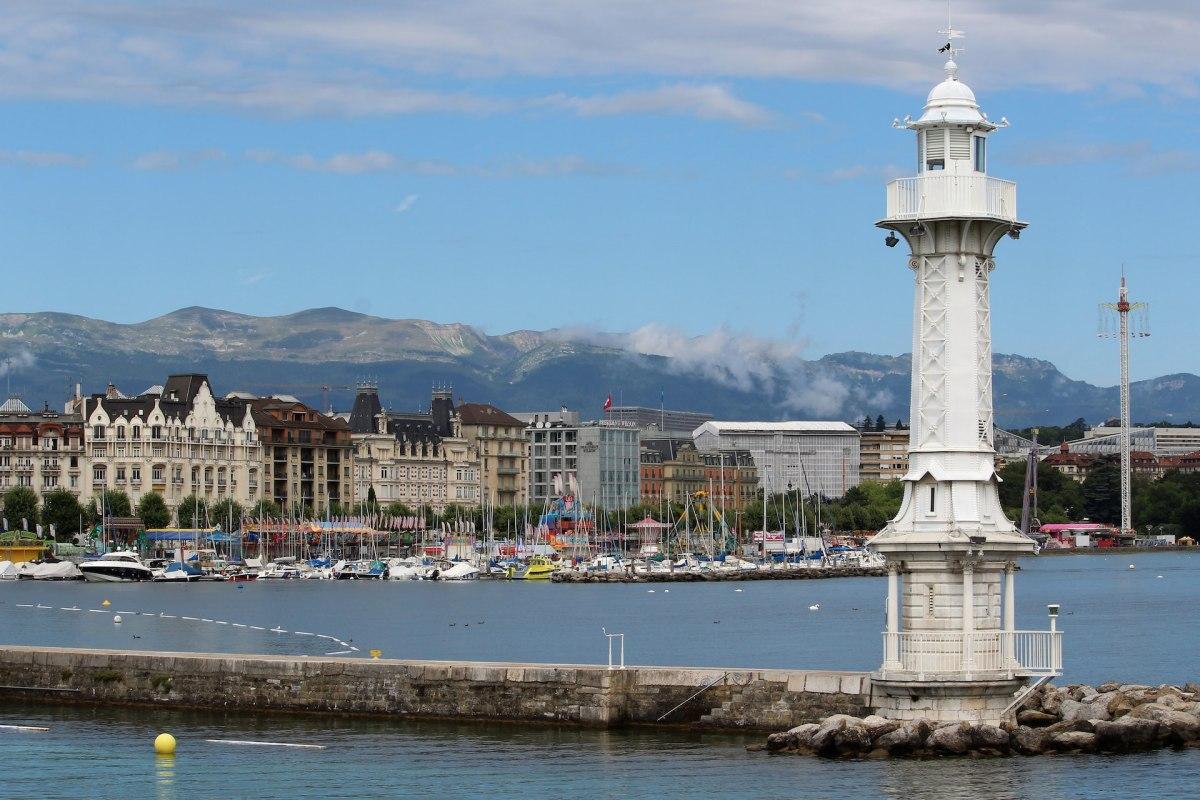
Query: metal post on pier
point(610, 637)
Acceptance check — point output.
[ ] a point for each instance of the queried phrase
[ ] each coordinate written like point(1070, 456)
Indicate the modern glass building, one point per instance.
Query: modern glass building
point(813, 457)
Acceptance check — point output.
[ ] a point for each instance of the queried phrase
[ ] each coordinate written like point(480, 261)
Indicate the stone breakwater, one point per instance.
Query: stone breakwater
point(1110, 718)
point(700, 576)
point(716, 699)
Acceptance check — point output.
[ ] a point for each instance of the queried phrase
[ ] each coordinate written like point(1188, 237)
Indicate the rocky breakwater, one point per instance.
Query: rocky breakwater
point(1109, 718)
point(703, 575)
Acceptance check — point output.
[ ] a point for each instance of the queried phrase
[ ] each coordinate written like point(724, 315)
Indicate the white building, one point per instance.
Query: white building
point(812, 457)
point(1160, 441)
point(603, 458)
point(176, 440)
point(951, 650)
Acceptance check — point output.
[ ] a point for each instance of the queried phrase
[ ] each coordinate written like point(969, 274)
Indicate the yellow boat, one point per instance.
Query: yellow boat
point(540, 568)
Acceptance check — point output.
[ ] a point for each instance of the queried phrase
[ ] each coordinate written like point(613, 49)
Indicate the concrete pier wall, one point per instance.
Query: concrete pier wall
point(575, 694)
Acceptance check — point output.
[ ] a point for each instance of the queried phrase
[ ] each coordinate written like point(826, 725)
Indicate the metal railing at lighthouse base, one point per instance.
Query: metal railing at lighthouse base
point(933, 654)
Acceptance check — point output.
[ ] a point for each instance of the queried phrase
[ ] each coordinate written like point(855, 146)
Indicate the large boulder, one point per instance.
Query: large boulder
point(951, 739)
point(852, 740)
point(1030, 741)
point(1181, 727)
point(824, 740)
point(1073, 741)
point(1075, 710)
point(1127, 734)
point(1035, 719)
point(1108, 686)
point(778, 742)
point(877, 726)
point(1052, 701)
point(989, 738)
point(802, 734)
point(905, 739)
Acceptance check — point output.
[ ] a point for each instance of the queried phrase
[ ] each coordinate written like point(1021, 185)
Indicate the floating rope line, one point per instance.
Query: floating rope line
point(161, 615)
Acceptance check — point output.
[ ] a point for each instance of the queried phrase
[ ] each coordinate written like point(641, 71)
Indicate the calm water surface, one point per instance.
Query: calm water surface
point(1119, 623)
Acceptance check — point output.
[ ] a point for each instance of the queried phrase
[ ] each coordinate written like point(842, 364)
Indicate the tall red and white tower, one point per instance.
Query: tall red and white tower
point(951, 649)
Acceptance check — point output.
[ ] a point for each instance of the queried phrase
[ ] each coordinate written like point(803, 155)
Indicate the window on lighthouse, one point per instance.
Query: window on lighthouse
point(980, 154)
point(935, 149)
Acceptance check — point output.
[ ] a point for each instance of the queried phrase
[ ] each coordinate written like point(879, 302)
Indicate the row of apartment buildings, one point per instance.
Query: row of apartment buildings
point(182, 439)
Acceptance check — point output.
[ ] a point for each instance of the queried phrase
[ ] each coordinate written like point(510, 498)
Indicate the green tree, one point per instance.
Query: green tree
point(228, 514)
point(21, 503)
point(153, 511)
point(880, 425)
point(265, 509)
point(866, 423)
point(372, 500)
point(116, 503)
point(192, 512)
point(398, 509)
point(61, 509)
point(1102, 493)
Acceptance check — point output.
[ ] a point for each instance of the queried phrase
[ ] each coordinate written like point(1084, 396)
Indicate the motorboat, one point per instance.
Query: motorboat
point(281, 571)
point(8, 571)
point(405, 569)
point(358, 570)
point(455, 571)
point(122, 566)
point(178, 572)
point(540, 568)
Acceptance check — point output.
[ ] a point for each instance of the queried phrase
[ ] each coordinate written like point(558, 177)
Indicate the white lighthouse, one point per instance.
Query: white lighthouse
point(951, 650)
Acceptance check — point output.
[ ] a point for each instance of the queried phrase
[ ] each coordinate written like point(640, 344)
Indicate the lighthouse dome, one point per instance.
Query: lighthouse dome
point(952, 101)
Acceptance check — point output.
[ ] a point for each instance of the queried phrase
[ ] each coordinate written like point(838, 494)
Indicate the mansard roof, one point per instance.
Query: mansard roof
point(485, 414)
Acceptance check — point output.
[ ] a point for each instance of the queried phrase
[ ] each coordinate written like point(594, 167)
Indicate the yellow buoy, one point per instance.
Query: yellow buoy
point(376, 653)
point(164, 744)
point(106, 603)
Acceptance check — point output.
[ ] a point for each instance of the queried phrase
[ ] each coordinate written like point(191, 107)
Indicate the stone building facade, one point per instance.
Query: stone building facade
point(307, 457)
point(176, 440)
point(499, 439)
point(42, 450)
point(883, 455)
point(418, 459)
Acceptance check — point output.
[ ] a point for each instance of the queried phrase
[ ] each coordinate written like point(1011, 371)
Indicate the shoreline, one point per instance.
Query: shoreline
point(1108, 551)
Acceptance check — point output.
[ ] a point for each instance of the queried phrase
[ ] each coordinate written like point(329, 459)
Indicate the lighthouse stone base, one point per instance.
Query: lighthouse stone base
point(944, 700)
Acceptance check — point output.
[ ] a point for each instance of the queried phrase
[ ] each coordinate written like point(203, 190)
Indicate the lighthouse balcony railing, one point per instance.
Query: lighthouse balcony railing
point(933, 653)
point(949, 195)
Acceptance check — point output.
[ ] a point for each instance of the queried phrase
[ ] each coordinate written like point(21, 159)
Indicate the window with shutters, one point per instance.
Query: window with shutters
point(960, 144)
point(935, 149)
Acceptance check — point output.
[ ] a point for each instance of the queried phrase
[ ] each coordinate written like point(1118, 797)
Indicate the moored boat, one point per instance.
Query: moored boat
point(119, 567)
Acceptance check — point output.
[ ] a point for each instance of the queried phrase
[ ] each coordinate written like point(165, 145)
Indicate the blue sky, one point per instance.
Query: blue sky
point(698, 167)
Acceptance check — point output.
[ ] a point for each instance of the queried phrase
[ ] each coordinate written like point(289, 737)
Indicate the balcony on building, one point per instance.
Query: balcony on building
point(934, 195)
point(1007, 653)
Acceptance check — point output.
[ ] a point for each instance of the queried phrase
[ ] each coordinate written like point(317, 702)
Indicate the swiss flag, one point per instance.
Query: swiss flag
point(608, 402)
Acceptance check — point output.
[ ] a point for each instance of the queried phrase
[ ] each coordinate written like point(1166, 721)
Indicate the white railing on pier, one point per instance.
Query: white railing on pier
point(928, 653)
point(942, 195)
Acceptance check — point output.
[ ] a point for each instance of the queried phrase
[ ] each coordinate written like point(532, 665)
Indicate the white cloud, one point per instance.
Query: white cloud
point(406, 204)
point(160, 160)
point(18, 362)
point(378, 161)
point(378, 57)
point(775, 368)
point(705, 101)
point(41, 158)
point(1135, 158)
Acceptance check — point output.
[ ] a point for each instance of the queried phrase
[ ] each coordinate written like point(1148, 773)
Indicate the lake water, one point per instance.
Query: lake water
point(1119, 623)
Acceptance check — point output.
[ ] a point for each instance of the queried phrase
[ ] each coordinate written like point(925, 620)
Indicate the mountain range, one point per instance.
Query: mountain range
point(44, 355)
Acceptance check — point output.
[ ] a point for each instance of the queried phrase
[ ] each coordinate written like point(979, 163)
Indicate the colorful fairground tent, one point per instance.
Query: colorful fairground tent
point(566, 525)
